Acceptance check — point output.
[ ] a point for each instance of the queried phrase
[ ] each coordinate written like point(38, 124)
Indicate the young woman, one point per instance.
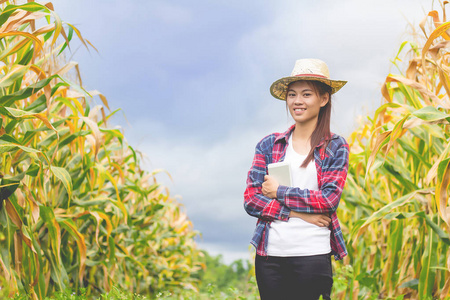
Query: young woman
point(297, 228)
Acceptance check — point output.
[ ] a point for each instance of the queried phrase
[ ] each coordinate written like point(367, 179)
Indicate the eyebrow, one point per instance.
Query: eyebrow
point(304, 90)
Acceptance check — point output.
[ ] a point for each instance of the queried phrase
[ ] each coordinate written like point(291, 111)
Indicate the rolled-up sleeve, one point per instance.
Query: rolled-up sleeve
point(255, 203)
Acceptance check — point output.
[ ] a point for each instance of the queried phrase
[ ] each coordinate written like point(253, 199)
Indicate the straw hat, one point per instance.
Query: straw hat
point(306, 69)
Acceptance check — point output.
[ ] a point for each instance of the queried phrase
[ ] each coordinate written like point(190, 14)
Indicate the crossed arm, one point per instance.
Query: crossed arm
point(264, 198)
point(269, 189)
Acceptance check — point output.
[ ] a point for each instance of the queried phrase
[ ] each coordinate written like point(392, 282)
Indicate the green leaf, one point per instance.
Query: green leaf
point(9, 184)
point(38, 105)
point(26, 59)
point(387, 210)
point(430, 114)
point(442, 167)
point(71, 137)
point(10, 9)
point(29, 90)
point(33, 170)
point(440, 233)
point(7, 147)
point(69, 38)
point(427, 274)
point(94, 202)
point(412, 284)
point(13, 75)
point(58, 271)
point(48, 216)
point(65, 178)
point(401, 48)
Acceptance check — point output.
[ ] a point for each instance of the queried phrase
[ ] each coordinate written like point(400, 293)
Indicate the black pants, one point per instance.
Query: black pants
point(297, 277)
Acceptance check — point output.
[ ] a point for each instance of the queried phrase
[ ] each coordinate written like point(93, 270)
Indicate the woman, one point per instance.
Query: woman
point(297, 228)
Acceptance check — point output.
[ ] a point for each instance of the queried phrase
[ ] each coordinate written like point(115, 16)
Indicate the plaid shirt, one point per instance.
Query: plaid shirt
point(331, 165)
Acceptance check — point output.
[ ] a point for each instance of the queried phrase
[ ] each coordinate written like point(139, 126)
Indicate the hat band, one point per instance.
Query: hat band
point(312, 75)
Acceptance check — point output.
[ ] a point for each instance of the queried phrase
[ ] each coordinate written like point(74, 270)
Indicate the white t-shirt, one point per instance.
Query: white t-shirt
point(297, 237)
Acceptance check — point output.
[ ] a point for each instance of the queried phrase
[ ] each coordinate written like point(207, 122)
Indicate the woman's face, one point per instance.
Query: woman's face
point(304, 103)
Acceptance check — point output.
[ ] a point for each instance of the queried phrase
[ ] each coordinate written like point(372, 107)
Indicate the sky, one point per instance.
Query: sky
point(192, 81)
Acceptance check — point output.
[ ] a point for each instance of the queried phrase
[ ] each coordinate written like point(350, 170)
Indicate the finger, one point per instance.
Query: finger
point(266, 177)
point(325, 219)
point(264, 191)
point(323, 223)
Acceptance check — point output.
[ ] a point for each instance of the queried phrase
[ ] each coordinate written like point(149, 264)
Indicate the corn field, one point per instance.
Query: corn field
point(395, 206)
point(78, 211)
point(76, 208)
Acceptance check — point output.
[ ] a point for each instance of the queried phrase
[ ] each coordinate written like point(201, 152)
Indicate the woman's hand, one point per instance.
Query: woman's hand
point(270, 187)
point(321, 220)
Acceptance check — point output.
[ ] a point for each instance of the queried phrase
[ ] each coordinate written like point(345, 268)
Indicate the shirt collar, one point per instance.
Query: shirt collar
point(284, 137)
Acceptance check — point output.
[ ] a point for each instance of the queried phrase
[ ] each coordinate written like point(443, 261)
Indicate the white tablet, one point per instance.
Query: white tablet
point(281, 171)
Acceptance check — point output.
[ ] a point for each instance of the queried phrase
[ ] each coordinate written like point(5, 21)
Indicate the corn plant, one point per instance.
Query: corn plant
point(395, 206)
point(76, 208)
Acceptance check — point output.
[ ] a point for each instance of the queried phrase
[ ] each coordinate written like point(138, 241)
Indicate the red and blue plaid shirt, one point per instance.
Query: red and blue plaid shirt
point(331, 165)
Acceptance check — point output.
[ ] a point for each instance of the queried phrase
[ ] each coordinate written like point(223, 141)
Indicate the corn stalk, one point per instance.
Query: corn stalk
point(395, 205)
point(76, 208)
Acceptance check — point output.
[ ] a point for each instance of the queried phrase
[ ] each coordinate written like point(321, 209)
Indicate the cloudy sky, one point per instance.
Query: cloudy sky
point(192, 79)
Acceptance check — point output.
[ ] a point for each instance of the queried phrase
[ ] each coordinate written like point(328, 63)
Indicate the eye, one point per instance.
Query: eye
point(291, 94)
point(307, 94)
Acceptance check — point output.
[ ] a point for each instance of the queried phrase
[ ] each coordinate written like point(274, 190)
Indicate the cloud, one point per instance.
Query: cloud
point(210, 177)
point(193, 79)
point(357, 39)
point(168, 13)
point(210, 171)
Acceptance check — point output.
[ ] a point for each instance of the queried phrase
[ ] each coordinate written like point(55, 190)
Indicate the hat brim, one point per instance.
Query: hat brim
point(278, 89)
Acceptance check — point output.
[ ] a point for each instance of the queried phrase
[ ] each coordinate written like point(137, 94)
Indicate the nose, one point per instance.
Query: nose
point(298, 99)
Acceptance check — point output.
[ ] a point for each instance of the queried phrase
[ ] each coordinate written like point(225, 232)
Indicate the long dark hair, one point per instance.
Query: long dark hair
point(322, 130)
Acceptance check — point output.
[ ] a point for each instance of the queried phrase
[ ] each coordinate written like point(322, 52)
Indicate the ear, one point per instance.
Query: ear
point(324, 99)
